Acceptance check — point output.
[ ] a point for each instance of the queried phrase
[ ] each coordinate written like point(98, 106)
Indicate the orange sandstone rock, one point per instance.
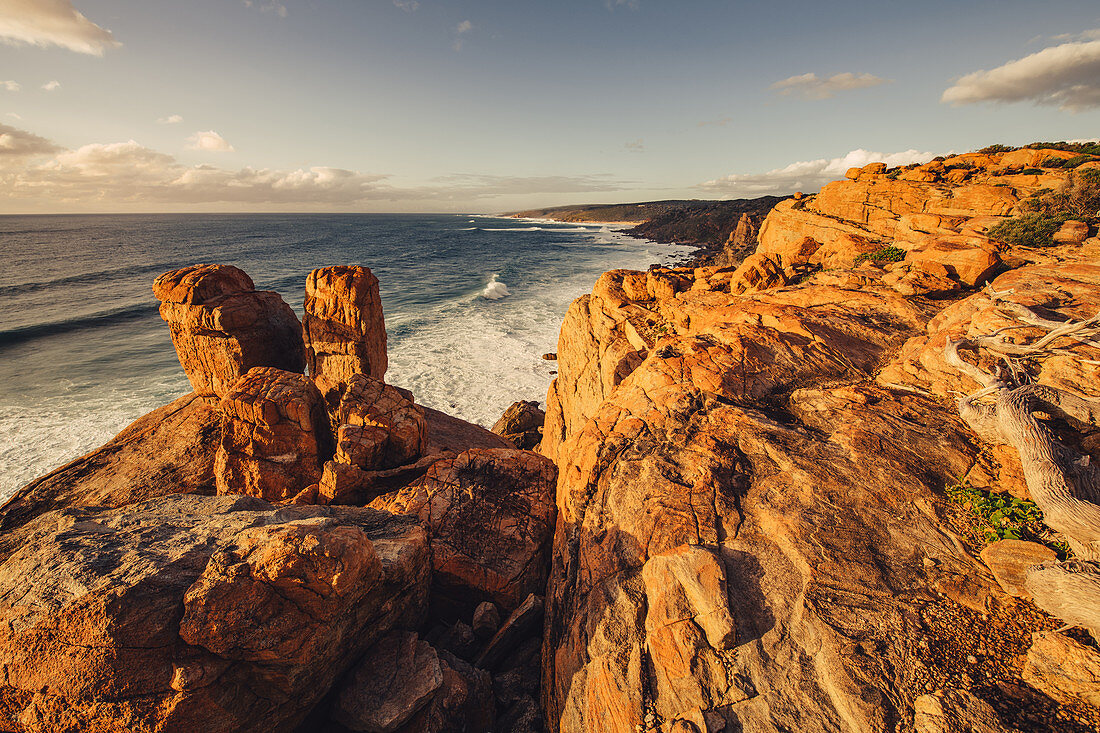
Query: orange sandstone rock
point(222, 327)
point(344, 329)
point(275, 436)
point(490, 517)
point(187, 613)
point(379, 426)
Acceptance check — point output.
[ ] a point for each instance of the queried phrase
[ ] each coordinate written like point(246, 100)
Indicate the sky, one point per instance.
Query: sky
point(497, 105)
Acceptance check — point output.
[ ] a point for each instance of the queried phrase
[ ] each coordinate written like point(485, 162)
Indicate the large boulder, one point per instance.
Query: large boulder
point(275, 436)
point(344, 329)
point(378, 425)
point(490, 518)
point(521, 423)
point(186, 613)
point(222, 326)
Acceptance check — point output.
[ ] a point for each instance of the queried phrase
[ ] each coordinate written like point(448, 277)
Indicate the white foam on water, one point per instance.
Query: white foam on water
point(472, 358)
point(37, 438)
point(495, 289)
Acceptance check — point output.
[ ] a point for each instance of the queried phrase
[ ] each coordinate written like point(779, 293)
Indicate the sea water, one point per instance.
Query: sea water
point(471, 303)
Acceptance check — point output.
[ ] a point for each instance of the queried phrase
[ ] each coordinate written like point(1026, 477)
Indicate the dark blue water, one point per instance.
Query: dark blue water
point(470, 302)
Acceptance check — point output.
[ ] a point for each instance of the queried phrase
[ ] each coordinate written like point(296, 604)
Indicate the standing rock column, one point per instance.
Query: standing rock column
point(344, 330)
point(275, 436)
point(222, 326)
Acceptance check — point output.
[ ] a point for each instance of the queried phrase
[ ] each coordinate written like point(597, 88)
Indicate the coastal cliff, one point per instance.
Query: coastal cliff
point(754, 528)
point(756, 505)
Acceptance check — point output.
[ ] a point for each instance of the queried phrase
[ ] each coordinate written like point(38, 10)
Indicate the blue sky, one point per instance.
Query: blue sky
point(428, 105)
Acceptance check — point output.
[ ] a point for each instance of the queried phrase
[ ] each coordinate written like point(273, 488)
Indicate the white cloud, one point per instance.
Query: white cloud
point(634, 146)
point(409, 6)
point(461, 29)
point(170, 120)
point(52, 23)
point(812, 86)
point(51, 85)
point(612, 4)
point(10, 86)
point(210, 141)
point(1065, 76)
point(36, 173)
point(20, 143)
point(15, 116)
point(807, 175)
point(720, 122)
point(267, 6)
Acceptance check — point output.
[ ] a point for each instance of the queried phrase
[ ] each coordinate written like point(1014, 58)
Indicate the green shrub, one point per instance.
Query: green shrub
point(888, 253)
point(991, 149)
point(1089, 148)
point(1029, 230)
point(1053, 162)
point(1076, 161)
point(1031, 172)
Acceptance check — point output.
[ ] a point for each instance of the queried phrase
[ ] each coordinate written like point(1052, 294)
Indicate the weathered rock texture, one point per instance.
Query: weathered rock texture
point(222, 326)
point(786, 437)
point(521, 423)
point(490, 517)
point(379, 426)
point(344, 330)
point(275, 435)
point(168, 451)
point(197, 613)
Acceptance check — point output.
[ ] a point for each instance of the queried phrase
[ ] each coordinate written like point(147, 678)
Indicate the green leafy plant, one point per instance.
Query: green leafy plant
point(997, 148)
point(1031, 172)
point(888, 253)
point(1053, 161)
point(1089, 148)
point(1000, 516)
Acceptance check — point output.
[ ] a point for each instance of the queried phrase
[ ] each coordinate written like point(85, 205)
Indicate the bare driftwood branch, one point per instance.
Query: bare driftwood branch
point(1064, 483)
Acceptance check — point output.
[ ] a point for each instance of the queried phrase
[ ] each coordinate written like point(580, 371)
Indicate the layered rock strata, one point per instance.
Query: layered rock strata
point(222, 326)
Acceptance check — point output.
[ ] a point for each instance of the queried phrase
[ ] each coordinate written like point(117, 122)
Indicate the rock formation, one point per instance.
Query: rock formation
point(198, 613)
point(222, 326)
point(521, 423)
point(275, 435)
point(344, 330)
point(793, 424)
point(743, 514)
point(489, 515)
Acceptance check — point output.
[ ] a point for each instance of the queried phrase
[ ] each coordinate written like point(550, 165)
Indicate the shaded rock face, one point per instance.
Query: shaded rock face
point(197, 613)
point(222, 326)
point(490, 517)
point(275, 435)
point(403, 684)
point(521, 423)
point(344, 330)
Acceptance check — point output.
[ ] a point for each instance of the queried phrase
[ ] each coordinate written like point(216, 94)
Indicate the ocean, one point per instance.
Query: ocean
point(471, 303)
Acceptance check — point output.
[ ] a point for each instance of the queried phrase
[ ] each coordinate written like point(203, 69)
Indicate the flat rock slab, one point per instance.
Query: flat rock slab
point(1009, 560)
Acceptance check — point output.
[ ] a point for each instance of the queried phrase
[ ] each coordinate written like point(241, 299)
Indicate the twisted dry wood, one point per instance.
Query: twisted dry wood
point(1064, 483)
